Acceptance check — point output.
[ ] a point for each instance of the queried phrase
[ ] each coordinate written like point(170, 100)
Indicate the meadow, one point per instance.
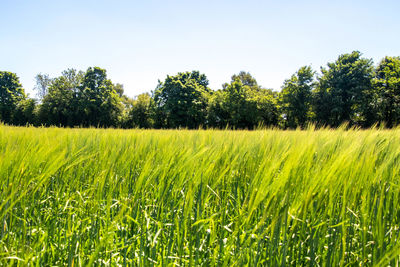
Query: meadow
point(110, 197)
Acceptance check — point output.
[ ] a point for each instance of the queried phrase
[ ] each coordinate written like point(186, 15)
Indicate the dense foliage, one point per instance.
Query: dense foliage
point(349, 90)
point(181, 100)
point(106, 197)
point(12, 95)
point(343, 91)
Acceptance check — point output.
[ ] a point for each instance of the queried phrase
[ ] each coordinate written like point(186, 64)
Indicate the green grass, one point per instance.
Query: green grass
point(150, 197)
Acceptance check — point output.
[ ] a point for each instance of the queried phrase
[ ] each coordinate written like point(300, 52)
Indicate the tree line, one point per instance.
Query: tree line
point(349, 90)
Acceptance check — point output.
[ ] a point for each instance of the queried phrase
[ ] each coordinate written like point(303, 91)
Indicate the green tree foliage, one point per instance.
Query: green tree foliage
point(266, 106)
point(242, 104)
point(142, 112)
point(239, 106)
point(119, 89)
point(60, 105)
point(181, 100)
point(11, 94)
point(349, 90)
point(217, 114)
point(25, 112)
point(295, 98)
point(343, 90)
point(82, 99)
point(245, 77)
point(387, 85)
point(127, 104)
point(99, 103)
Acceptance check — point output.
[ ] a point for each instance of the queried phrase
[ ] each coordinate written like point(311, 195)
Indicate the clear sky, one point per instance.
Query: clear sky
point(139, 42)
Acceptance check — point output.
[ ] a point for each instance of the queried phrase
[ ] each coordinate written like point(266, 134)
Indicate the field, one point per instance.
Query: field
point(176, 197)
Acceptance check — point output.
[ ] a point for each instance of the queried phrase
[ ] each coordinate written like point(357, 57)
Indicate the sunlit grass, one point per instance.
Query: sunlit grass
point(167, 197)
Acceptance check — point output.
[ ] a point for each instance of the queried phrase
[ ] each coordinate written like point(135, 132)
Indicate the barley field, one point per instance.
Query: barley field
point(106, 197)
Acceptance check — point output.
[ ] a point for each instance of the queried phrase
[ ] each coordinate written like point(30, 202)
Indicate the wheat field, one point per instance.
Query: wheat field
point(110, 197)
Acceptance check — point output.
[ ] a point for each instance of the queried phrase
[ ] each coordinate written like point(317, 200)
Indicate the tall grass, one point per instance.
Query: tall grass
point(150, 197)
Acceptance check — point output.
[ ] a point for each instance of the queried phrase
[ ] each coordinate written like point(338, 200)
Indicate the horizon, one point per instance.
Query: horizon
point(141, 43)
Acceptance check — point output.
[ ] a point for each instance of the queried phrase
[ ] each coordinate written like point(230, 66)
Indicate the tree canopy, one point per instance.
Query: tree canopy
point(349, 90)
point(242, 104)
point(342, 89)
point(182, 100)
point(296, 96)
point(11, 95)
point(387, 84)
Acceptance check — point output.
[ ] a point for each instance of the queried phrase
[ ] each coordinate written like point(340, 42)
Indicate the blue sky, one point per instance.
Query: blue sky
point(139, 42)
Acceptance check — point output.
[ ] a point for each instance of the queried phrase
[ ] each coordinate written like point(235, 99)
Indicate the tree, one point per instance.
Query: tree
point(267, 108)
point(141, 114)
point(343, 91)
point(82, 99)
point(43, 82)
point(387, 85)
point(60, 105)
point(99, 103)
point(217, 114)
point(245, 78)
point(126, 104)
point(11, 94)
point(25, 112)
point(295, 98)
point(237, 103)
point(181, 100)
point(242, 105)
